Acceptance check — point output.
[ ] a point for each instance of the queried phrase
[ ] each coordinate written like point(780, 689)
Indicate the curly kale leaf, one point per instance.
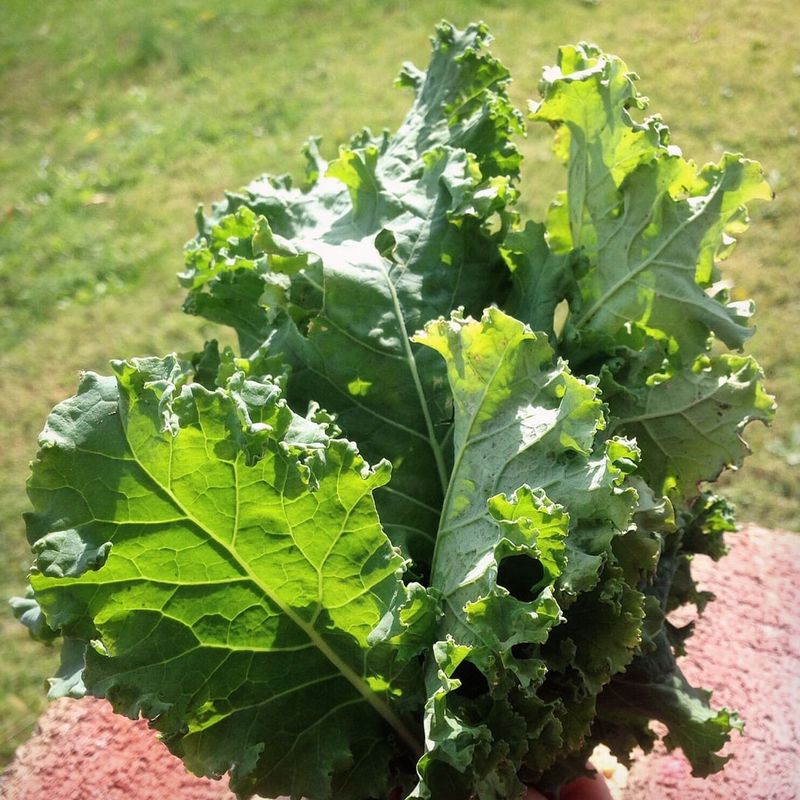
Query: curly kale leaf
point(223, 564)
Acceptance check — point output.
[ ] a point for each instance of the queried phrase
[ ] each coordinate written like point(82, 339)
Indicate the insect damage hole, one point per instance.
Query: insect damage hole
point(473, 681)
point(523, 650)
point(520, 575)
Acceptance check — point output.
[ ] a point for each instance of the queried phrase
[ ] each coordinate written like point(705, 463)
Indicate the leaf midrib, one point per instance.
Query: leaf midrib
point(468, 440)
point(316, 639)
point(670, 412)
point(643, 265)
point(441, 468)
point(426, 221)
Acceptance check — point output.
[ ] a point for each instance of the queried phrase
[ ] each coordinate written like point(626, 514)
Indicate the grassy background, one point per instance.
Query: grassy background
point(118, 117)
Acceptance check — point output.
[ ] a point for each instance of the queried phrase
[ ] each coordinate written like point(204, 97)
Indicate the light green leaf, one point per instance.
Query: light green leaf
point(541, 279)
point(649, 223)
point(648, 313)
point(689, 426)
point(224, 560)
point(633, 699)
point(509, 562)
point(704, 527)
point(521, 418)
point(396, 231)
point(475, 739)
point(653, 687)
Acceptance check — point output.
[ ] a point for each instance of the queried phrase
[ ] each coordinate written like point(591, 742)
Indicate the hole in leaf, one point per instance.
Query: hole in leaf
point(446, 782)
point(522, 650)
point(519, 574)
point(494, 224)
point(473, 681)
point(560, 317)
point(385, 244)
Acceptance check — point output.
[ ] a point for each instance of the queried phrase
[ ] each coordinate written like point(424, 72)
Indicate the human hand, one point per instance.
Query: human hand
point(582, 789)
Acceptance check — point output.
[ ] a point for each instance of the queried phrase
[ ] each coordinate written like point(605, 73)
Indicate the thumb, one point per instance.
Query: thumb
point(587, 789)
point(580, 789)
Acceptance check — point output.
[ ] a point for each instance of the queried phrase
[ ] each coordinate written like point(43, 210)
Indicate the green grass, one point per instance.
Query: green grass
point(119, 117)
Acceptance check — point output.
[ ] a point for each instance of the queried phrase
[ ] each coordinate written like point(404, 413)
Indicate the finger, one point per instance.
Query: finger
point(587, 789)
